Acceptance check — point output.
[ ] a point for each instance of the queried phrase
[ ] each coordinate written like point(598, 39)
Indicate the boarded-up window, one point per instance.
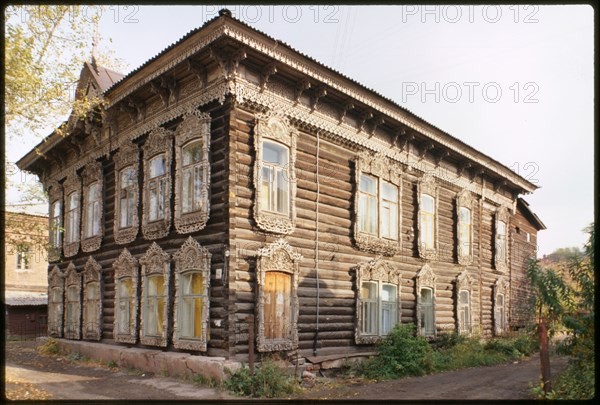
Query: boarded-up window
point(277, 305)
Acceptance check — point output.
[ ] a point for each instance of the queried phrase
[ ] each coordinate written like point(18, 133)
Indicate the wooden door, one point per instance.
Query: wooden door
point(277, 302)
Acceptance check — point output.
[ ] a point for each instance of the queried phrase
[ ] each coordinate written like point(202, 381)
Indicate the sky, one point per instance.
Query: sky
point(514, 82)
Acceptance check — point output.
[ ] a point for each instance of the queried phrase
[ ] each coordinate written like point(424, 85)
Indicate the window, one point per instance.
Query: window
point(126, 195)
point(126, 303)
point(501, 240)
point(72, 188)
point(277, 307)
point(55, 221)
point(155, 296)
point(92, 301)
point(427, 214)
point(527, 236)
point(464, 288)
point(274, 175)
point(157, 184)
point(500, 293)
point(23, 257)
point(55, 225)
point(192, 269)
point(92, 207)
point(192, 140)
point(425, 284)
point(464, 249)
point(377, 301)
point(377, 204)
point(500, 314)
point(73, 303)
point(56, 285)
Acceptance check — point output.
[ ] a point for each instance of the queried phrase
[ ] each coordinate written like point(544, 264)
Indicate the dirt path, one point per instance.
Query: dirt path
point(505, 381)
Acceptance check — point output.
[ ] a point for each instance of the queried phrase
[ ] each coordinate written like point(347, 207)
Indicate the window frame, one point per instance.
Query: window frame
point(464, 282)
point(194, 127)
point(279, 256)
point(92, 274)
point(501, 288)
point(72, 216)
point(126, 156)
point(464, 199)
point(425, 278)
point(276, 129)
point(126, 266)
point(155, 263)
point(160, 141)
point(379, 272)
point(92, 175)
point(56, 280)
point(427, 185)
point(55, 196)
point(189, 259)
point(22, 255)
point(73, 280)
point(383, 170)
point(501, 261)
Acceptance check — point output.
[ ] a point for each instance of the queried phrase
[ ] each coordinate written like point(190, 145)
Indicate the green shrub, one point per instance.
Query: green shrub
point(269, 380)
point(447, 340)
point(50, 347)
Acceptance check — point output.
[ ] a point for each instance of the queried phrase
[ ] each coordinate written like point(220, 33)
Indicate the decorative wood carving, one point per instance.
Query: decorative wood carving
point(425, 278)
point(191, 257)
point(199, 71)
point(92, 328)
point(464, 253)
point(316, 95)
point(377, 121)
point(278, 256)
point(73, 279)
point(228, 60)
point(427, 146)
point(427, 185)
point(268, 71)
point(502, 214)
point(501, 287)
point(161, 91)
point(195, 126)
point(127, 155)
point(159, 141)
point(276, 128)
point(155, 262)
point(375, 270)
point(55, 193)
point(126, 266)
point(72, 184)
point(91, 174)
point(347, 106)
point(364, 117)
point(56, 279)
point(385, 169)
point(300, 88)
point(441, 155)
point(464, 282)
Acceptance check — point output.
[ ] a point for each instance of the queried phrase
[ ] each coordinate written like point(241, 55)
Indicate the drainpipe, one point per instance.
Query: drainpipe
point(317, 246)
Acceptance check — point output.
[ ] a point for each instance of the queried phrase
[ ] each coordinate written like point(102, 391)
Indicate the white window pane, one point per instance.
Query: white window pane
point(465, 215)
point(153, 214)
point(371, 215)
point(157, 166)
point(275, 153)
point(368, 184)
point(192, 153)
point(282, 192)
point(198, 179)
point(362, 212)
point(389, 192)
point(427, 203)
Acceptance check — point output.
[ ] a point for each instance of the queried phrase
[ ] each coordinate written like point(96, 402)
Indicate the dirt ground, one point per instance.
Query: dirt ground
point(30, 376)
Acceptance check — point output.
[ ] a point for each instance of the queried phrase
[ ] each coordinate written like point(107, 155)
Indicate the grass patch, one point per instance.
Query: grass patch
point(269, 381)
point(49, 348)
point(203, 381)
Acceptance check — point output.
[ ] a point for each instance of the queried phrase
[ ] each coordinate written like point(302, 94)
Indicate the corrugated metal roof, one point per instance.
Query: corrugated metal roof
point(25, 298)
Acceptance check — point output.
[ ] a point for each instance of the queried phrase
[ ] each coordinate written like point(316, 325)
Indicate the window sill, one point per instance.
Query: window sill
point(375, 244)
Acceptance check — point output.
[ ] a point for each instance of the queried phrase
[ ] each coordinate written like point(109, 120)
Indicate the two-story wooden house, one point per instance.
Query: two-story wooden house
point(231, 177)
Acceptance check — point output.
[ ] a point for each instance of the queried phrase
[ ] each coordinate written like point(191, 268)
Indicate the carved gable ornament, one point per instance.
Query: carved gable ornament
point(194, 127)
point(72, 185)
point(126, 266)
point(277, 257)
point(191, 257)
point(374, 270)
point(92, 173)
point(73, 313)
point(385, 169)
point(127, 155)
point(464, 253)
point(92, 328)
point(427, 185)
point(155, 262)
point(159, 141)
point(502, 214)
point(56, 282)
point(275, 128)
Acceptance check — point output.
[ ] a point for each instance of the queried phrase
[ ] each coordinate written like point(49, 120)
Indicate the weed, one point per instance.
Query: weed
point(49, 348)
point(269, 380)
point(203, 381)
point(112, 364)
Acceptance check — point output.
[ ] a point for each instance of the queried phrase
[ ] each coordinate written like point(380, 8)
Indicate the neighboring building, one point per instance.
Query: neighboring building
point(232, 178)
point(25, 274)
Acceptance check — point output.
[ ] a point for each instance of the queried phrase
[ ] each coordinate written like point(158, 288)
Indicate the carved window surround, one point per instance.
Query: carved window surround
point(191, 258)
point(155, 262)
point(501, 265)
point(56, 282)
point(375, 270)
point(127, 155)
point(92, 174)
point(73, 280)
point(427, 185)
point(278, 257)
point(195, 126)
point(425, 279)
point(160, 141)
point(275, 128)
point(126, 266)
point(55, 195)
point(501, 287)
point(464, 282)
point(384, 169)
point(72, 185)
point(92, 274)
point(464, 199)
